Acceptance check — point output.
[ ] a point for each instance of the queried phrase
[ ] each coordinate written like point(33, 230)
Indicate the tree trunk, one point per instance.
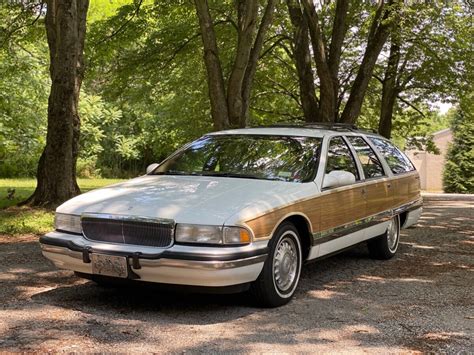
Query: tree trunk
point(390, 90)
point(378, 35)
point(252, 65)
point(65, 28)
point(327, 97)
point(215, 78)
point(247, 23)
point(302, 57)
point(231, 108)
point(339, 29)
point(306, 22)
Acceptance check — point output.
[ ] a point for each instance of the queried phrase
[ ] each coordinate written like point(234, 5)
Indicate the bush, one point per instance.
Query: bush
point(458, 175)
point(86, 168)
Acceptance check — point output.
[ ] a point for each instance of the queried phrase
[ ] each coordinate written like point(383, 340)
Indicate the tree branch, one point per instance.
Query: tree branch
point(411, 105)
point(293, 117)
point(274, 44)
point(337, 37)
point(284, 90)
point(379, 32)
point(14, 30)
point(179, 49)
point(122, 26)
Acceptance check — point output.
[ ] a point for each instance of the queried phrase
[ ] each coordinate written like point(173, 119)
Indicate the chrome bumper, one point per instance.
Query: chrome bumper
point(180, 264)
point(412, 217)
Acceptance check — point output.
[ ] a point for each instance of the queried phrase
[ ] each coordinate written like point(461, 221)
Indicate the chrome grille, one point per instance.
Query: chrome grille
point(128, 230)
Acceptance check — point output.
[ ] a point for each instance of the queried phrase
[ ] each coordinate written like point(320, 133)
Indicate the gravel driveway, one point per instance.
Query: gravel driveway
point(422, 300)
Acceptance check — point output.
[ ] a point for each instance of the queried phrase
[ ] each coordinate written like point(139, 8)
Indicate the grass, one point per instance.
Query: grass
point(26, 220)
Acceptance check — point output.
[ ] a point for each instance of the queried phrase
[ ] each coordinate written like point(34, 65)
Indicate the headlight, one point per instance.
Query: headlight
point(196, 233)
point(67, 223)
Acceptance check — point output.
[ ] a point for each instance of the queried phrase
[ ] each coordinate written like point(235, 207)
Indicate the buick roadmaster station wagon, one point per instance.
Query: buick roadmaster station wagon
point(242, 209)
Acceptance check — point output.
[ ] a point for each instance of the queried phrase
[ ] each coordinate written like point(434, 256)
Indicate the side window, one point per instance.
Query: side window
point(370, 163)
point(396, 160)
point(340, 157)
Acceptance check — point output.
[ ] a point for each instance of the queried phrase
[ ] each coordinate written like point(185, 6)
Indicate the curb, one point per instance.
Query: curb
point(446, 197)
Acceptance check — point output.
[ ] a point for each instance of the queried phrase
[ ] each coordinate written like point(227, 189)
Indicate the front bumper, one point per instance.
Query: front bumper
point(180, 264)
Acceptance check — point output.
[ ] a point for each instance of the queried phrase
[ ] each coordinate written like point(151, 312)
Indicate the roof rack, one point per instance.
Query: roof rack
point(325, 125)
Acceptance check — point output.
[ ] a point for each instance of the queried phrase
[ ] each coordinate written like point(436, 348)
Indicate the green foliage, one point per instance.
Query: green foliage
point(458, 176)
point(145, 91)
point(96, 118)
point(435, 47)
point(24, 84)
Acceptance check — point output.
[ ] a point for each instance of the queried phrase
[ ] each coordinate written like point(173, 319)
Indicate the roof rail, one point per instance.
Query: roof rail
point(333, 125)
point(369, 130)
point(325, 125)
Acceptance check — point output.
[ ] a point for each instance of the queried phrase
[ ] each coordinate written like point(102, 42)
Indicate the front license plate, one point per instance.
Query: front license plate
point(109, 265)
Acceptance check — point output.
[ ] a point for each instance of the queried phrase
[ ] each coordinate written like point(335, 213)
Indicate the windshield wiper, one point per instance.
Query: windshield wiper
point(213, 173)
point(175, 172)
point(227, 174)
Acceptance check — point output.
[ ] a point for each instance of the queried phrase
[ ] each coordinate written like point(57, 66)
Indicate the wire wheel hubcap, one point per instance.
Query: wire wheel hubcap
point(285, 264)
point(392, 235)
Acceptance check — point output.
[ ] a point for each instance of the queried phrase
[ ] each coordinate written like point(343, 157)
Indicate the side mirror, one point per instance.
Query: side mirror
point(151, 167)
point(338, 178)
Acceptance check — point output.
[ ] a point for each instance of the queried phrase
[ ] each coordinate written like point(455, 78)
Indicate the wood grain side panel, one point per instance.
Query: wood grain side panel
point(336, 208)
point(341, 207)
point(324, 212)
point(407, 189)
point(379, 197)
point(414, 188)
point(400, 194)
point(263, 226)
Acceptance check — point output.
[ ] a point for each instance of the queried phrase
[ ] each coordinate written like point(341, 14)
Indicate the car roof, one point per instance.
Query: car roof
point(298, 130)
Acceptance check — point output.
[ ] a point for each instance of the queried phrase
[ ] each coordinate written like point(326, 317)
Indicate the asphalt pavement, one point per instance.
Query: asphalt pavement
point(422, 300)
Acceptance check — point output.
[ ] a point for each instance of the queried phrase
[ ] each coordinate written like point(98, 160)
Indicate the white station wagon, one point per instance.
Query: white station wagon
point(242, 210)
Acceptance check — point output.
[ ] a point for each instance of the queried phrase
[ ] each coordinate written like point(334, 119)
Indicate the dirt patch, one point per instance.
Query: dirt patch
point(422, 300)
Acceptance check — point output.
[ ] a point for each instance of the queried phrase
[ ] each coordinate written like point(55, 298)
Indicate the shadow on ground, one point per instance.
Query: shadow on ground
point(420, 300)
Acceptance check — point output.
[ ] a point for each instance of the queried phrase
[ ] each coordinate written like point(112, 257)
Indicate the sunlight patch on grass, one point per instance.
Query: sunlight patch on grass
point(25, 220)
point(24, 188)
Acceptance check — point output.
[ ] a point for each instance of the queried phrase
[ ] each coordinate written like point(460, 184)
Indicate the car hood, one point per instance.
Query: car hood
point(187, 199)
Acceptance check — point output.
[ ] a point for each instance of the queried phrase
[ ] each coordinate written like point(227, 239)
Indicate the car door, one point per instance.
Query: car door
point(341, 207)
point(379, 188)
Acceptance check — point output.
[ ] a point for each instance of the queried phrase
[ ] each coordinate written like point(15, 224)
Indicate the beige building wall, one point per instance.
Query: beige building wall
point(430, 166)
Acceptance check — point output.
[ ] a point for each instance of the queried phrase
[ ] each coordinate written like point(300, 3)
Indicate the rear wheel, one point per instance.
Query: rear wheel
point(281, 272)
point(385, 246)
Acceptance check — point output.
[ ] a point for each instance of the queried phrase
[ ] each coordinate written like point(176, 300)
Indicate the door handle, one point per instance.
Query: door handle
point(389, 185)
point(363, 191)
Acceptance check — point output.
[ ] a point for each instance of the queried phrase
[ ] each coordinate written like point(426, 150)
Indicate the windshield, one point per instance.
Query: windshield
point(247, 156)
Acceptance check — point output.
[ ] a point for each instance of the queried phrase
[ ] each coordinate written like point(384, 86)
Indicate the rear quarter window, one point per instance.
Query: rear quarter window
point(368, 159)
point(396, 160)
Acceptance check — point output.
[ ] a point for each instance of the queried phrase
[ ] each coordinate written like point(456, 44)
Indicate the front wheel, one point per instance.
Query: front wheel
point(279, 278)
point(385, 246)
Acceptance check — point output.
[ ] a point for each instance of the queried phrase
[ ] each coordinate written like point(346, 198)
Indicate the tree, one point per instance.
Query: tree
point(65, 28)
point(145, 91)
point(230, 106)
point(458, 175)
point(428, 48)
point(23, 88)
point(327, 58)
